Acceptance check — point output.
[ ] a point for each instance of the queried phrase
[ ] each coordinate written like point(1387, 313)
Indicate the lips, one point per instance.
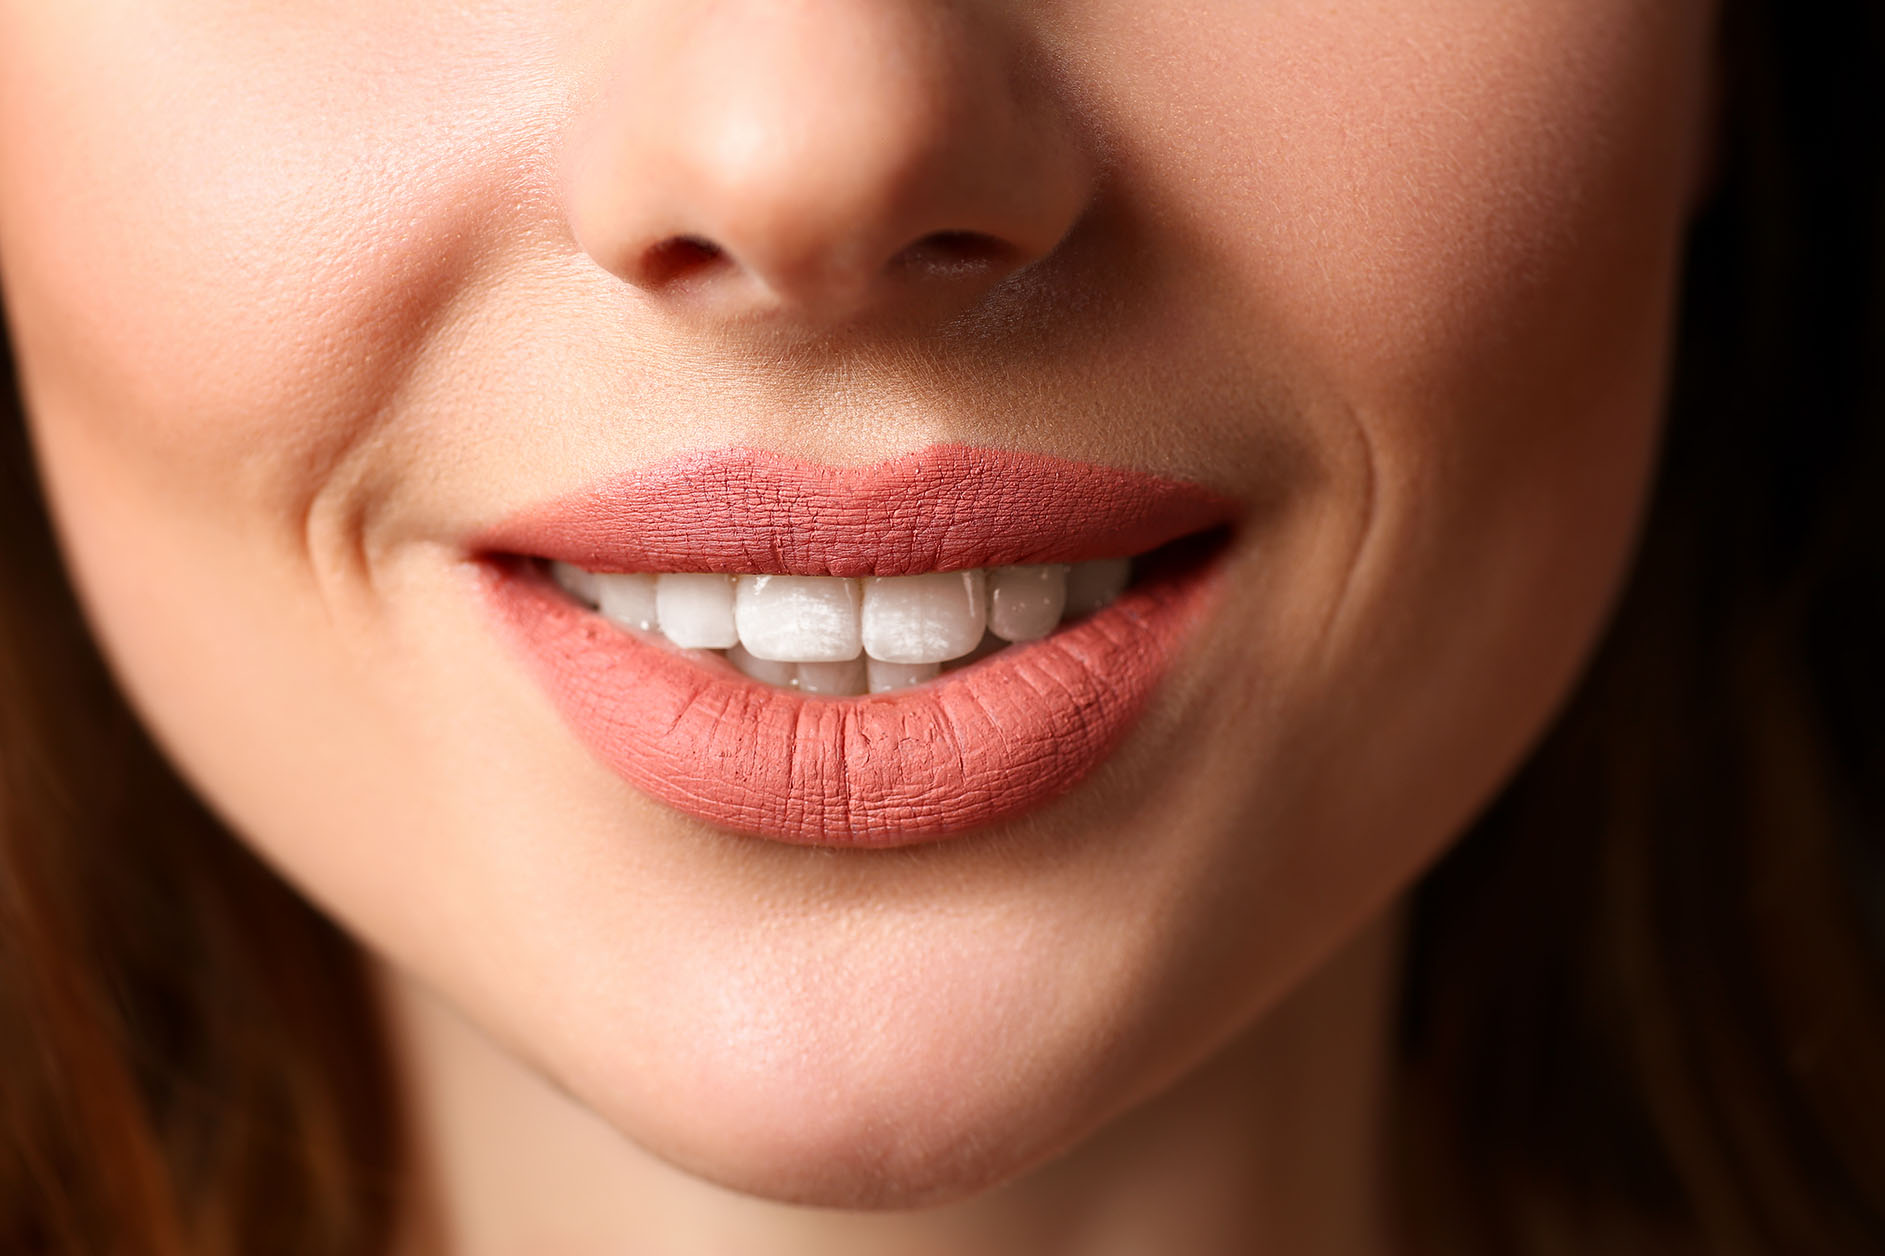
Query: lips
point(975, 746)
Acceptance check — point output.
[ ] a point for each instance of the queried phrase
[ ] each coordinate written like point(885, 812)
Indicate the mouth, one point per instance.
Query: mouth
point(857, 657)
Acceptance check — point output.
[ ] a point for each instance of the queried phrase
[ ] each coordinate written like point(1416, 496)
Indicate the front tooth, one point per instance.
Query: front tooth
point(574, 581)
point(923, 619)
point(838, 680)
point(808, 619)
point(1094, 584)
point(983, 648)
point(696, 610)
point(628, 600)
point(882, 677)
point(1024, 603)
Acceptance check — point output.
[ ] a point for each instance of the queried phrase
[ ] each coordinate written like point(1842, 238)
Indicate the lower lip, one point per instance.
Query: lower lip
point(972, 747)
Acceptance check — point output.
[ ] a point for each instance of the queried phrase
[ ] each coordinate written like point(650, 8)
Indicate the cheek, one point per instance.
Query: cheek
point(226, 239)
point(1414, 202)
point(231, 244)
point(1449, 232)
point(1452, 226)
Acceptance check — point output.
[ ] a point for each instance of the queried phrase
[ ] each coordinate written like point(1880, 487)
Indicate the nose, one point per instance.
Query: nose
point(823, 160)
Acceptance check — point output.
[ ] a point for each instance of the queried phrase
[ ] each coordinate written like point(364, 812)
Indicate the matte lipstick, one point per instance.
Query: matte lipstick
point(969, 748)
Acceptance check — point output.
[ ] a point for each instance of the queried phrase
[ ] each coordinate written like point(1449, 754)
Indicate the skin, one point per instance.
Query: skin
point(306, 295)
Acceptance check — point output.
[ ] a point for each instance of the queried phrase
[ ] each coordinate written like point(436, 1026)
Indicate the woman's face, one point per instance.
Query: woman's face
point(313, 300)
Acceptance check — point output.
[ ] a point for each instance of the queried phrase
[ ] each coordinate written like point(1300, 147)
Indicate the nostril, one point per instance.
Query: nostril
point(954, 252)
point(678, 259)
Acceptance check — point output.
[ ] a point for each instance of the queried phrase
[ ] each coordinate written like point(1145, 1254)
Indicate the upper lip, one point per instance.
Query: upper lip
point(941, 508)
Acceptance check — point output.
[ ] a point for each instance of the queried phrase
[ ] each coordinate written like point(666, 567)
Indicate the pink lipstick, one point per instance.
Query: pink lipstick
point(974, 746)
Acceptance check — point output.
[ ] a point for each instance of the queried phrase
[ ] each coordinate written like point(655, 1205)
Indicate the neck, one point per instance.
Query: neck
point(1279, 1143)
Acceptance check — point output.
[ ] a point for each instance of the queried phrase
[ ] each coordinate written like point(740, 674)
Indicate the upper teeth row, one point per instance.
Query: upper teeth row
point(911, 620)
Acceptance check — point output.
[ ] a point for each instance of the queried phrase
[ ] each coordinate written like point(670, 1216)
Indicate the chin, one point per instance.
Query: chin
point(856, 1160)
point(874, 1144)
point(855, 1110)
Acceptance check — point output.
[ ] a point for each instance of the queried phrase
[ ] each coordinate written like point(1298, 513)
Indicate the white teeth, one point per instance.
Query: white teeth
point(784, 675)
point(983, 648)
point(1092, 585)
point(923, 619)
point(628, 600)
point(837, 680)
point(883, 677)
point(695, 610)
point(576, 582)
point(840, 637)
point(810, 619)
point(1024, 603)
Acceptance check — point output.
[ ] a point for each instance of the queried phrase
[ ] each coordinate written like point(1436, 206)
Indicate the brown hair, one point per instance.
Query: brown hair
point(1644, 996)
point(189, 1060)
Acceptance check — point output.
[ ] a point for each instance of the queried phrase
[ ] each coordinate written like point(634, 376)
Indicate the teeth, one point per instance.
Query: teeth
point(881, 677)
point(924, 619)
point(576, 582)
point(837, 680)
point(784, 675)
point(1092, 585)
point(843, 637)
point(983, 648)
point(696, 611)
point(628, 600)
point(811, 619)
point(1024, 603)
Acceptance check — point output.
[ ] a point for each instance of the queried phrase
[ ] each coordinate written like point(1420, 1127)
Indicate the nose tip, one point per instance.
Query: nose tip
point(824, 159)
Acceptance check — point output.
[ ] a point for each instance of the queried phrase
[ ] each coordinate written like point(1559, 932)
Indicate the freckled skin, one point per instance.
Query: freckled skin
point(306, 298)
